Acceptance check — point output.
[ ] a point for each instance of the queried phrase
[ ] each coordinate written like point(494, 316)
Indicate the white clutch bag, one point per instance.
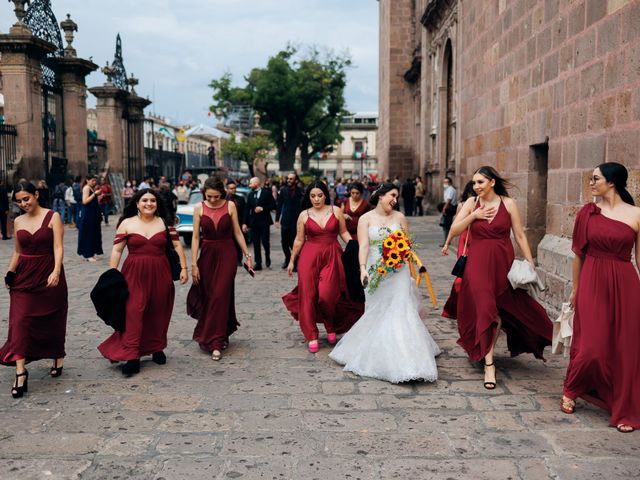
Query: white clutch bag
point(563, 331)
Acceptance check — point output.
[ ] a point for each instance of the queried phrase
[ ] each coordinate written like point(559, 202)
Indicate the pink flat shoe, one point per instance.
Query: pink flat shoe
point(332, 338)
point(314, 347)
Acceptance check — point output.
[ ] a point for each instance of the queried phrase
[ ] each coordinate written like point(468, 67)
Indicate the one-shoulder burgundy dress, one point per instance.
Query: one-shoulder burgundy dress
point(212, 301)
point(485, 293)
point(604, 366)
point(37, 313)
point(151, 294)
point(321, 295)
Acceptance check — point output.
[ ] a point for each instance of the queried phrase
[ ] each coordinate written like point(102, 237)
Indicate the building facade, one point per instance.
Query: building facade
point(356, 155)
point(543, 90)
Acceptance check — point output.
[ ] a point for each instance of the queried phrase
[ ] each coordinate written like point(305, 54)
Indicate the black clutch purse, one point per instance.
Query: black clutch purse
point(174, 259)
point(9, 278)
point(458, 268)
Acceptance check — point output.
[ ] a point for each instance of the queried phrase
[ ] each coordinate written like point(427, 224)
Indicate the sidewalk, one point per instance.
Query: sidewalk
point(271, 410)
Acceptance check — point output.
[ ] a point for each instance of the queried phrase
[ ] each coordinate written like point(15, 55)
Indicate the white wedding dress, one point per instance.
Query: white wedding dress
point(389, 342)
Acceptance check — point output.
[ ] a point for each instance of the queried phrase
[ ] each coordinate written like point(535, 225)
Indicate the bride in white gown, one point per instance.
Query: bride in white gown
point(389, 342)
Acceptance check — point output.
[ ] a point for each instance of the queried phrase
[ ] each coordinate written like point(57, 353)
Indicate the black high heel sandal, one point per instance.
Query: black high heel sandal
point(19, 391)
point(56, 370)
point(131, 367)
point(159, 357)
point(489, 385)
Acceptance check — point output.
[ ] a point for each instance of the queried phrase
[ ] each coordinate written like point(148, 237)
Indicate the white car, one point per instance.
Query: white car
point(184, 227)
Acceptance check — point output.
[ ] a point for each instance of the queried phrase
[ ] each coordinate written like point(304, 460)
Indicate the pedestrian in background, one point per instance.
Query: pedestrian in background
point(448, 207)
point(182, 193)
point(127, 192)
point(105, 199)
point(287, 212)
point(211, 299)
point(59, 202)
point(604, 365)
point(487, 302)
point(37, 290)
point(43, 194)
point(76, 188)
point(257, 218)
point(420, 193)
point(408, 197)
point(144, 228)
point(240, 203)
point(89, 233)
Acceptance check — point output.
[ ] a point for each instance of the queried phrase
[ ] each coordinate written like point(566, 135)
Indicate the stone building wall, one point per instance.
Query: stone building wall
point(544, 90)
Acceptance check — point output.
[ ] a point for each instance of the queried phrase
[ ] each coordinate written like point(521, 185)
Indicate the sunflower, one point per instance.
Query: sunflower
point(401, 245)
point(406, 254)
point(395, 256)
point(391, 263)
point(398, 234)
point(389, 243)
point(381, 271)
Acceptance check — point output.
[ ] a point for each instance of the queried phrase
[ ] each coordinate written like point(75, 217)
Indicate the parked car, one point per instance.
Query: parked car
point(184, 227)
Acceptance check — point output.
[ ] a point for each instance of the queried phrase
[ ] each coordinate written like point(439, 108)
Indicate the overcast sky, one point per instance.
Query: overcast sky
point(175, 47)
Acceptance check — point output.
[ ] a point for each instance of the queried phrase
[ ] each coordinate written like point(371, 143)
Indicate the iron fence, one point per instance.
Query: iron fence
point(97, 155)
point(160, 162)
point(8, 135)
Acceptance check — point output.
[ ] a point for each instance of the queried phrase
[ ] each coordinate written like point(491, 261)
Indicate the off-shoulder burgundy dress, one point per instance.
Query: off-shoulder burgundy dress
point(352, 224)
point(604, 366)
point(151, 294)
point(37, 313)
point(485, 293)
point(212, 301)
point(321, 295)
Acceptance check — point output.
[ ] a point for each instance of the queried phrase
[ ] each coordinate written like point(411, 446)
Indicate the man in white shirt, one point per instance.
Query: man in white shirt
point(448, 205)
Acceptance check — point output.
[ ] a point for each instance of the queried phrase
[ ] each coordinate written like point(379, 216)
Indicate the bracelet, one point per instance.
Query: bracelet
point(247, 255)
point(184, 268)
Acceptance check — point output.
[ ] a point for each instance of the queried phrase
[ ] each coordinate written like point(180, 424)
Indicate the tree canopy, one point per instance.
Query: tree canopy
point(300, 99)
point(247, 149)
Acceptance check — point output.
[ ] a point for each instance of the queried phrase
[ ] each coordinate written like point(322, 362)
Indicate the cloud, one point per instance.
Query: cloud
point(175, 48)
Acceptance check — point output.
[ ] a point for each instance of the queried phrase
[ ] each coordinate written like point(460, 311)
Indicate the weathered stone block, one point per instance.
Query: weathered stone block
point(591, 150)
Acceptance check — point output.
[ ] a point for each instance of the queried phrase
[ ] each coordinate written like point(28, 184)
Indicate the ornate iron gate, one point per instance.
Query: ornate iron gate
point(8, 135)
point(43, 24)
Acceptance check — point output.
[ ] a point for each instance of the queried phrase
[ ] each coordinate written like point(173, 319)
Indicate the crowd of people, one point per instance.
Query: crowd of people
point(383, 335)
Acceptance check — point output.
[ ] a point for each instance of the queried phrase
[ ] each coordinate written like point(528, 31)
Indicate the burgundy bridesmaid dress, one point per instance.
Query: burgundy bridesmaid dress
point(450, 309)
point(150, 303)
point(321, 295)
point(604, 366)
point(485, 293)
point(352, 224)
point(37, 313)
point(212, 301)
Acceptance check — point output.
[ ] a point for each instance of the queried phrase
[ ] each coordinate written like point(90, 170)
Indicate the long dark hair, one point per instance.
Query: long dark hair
point(617, 174)
point(131, 208)
point(214, 183)
point(23, 186)
point(381, 191)
point(306, 201)
point(468, 191)
point(501, 185)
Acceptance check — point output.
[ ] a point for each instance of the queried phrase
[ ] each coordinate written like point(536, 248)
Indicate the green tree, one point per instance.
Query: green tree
point(247, 149)
point(300, 101)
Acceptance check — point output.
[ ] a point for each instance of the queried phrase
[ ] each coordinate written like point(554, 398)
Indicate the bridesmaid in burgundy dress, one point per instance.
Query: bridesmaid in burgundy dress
point(321, 295)
point(143, 228)
point(211, 299)
point(487, 303)
point(37, 288)
point(604, 366)
point(450, 309)
point(354, 207)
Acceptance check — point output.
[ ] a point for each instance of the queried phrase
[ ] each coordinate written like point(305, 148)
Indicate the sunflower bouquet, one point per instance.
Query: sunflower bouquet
point(395, 251)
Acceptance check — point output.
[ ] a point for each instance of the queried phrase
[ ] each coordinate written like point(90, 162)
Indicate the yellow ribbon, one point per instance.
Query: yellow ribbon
point(422, 272)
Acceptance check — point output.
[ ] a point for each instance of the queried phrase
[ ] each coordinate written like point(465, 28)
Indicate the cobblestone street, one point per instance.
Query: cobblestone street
point(271, 410)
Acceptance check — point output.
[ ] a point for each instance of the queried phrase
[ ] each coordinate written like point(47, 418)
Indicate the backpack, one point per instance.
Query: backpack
point(59, 192)
point(77, 192)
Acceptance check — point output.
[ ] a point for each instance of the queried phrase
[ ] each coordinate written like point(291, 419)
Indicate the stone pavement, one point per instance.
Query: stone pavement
point(270, 410)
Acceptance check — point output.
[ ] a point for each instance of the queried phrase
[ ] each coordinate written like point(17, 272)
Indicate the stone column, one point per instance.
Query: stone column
point(73, 72)
point(20, 56)
point(136, 106)
point(111, 104)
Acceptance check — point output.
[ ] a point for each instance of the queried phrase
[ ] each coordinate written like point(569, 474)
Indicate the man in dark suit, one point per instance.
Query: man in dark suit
point(240, 207)
point(257, 218)
point(289, 206)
